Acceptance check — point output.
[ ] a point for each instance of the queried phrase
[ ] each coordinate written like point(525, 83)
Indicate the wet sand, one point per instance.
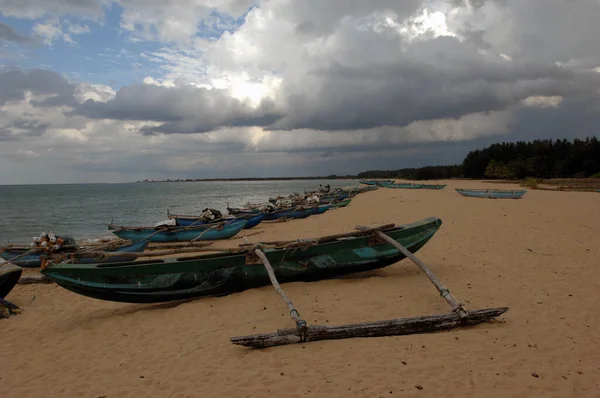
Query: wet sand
point(539, 256)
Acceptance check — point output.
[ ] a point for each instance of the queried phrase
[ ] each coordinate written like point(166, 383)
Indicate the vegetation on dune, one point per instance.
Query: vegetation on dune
point(539, 159)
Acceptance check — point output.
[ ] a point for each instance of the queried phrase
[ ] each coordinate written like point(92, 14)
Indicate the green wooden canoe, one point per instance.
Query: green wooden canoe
point(223, 273)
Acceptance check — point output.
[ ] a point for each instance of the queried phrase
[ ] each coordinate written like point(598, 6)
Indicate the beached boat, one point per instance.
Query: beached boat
point(215, 231)
point(402, 186)
point(375, 182)
point(292, 212)
point(252, 220)
point(9, 276)
point(236, 270)
point(492, 193)
point(28, 258)
point(433, 186)
point(342, 203)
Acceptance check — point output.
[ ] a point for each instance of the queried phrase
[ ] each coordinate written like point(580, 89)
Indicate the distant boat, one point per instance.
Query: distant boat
point(34, 260)
point(492, 193)
point(402, 185)
point(216, 231)
point(433, 186)
point(375, 182)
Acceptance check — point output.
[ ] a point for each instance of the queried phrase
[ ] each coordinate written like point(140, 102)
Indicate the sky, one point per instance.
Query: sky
point(124, 90)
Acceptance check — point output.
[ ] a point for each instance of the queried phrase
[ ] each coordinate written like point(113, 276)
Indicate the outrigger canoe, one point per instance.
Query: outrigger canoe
point(236, 270)
point(27, 258)
point(491, 193)
point(215, 231)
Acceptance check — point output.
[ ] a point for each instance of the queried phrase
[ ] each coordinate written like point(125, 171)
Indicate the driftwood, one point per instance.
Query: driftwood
point(7, 309)
point(444, 292)
point(394, 327)
point(28, 280)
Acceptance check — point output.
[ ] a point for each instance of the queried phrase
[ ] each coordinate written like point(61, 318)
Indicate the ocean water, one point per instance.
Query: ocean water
point(83, 211)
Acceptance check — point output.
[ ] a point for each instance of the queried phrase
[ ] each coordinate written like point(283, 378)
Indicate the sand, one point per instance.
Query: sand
point(539, 256)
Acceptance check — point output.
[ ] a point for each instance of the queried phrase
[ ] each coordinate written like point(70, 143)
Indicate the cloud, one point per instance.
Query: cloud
point(57, 91)
point(7, 33)
point(33, 9)
point(184, 109)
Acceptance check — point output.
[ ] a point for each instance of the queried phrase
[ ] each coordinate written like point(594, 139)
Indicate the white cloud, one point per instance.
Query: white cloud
point(51, 30)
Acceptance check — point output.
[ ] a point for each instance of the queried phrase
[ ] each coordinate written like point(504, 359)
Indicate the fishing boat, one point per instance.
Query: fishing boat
point(433, 186)
point(292, 213)
point(375, 182)
point(402, 186)
point(322, 208)
point(9, 276)
point(235, 270)
point(215, 231)
point(32, 258)
point(252, 220)
point(342, 203)
point(492, 193)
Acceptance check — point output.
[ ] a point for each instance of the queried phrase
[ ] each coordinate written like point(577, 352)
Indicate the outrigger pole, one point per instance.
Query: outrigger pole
point(393, 327)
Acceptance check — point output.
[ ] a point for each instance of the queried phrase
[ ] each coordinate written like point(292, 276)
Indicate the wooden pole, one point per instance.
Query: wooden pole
point(457, 307)
point(301, 325)
point(392, 327)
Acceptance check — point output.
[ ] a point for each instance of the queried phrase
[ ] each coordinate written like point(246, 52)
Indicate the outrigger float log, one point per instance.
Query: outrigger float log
point(459, 316)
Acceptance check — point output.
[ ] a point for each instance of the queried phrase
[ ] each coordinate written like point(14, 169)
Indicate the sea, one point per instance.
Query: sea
point(83, 211)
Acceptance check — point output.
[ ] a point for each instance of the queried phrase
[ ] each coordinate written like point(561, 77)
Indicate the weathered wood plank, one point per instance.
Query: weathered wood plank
point(393, 327)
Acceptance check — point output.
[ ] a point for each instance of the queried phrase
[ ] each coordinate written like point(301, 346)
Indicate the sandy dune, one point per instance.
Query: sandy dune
point(539, 255)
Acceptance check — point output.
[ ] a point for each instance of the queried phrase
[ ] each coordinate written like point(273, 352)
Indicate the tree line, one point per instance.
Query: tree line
point(513, 160)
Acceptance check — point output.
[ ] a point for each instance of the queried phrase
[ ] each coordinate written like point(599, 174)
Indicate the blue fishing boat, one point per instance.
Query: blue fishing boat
point(292, 212)
point(252, 220)
point(375, 182)
point(216, 231)
point(492, 193)
point(34, 259)
point(402, 186)
point(433, 186)
point(323, 208)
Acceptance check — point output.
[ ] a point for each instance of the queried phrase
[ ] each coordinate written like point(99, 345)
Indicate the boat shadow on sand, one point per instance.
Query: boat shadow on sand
point(126, 309)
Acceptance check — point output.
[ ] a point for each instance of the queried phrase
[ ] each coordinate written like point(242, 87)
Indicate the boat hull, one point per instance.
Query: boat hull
point(224, 273)
point(491, 193)
point(35, 261)
point(9, 276)
point(276, 215)
point(181, 234)
point(251, 220)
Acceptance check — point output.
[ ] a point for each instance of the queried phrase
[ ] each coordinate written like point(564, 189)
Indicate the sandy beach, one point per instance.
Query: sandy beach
point(539, 256)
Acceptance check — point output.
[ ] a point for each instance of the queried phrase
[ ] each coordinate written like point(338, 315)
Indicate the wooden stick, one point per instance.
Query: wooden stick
point(393, 327)
point(179, 245)
point(329, 238)
point(141, 254)
point(301, 325)
point(457, 307)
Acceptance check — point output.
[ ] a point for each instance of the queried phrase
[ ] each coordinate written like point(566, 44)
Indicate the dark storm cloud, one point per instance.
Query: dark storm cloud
point(183, 110)
point(15, 83)
point(8, 34)
point(23, 127)
point(442, 78)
